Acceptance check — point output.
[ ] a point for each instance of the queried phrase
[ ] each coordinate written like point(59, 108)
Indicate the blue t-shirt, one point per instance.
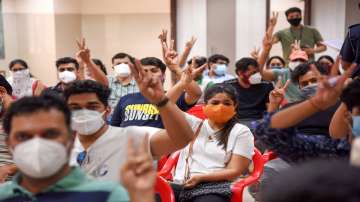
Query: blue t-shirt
point(350, 51)
point(135, 110)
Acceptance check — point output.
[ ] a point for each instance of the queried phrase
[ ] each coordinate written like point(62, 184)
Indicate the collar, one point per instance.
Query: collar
point(132, 82)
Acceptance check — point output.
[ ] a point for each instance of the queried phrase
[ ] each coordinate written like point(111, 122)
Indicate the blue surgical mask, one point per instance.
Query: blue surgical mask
point(356, 126)
point(308, 91)
point(220, 69)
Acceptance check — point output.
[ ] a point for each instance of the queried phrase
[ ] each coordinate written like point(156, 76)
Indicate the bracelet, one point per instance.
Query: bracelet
point(162, 103)
point(314, 105)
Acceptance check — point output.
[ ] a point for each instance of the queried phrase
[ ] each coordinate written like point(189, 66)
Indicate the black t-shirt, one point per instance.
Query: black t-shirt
point(135, 110)
point(251, 101)
point(350, 51)
point(318, 123)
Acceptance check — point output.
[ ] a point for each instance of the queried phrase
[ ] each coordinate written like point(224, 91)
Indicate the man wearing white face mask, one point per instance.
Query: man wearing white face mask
point(218, 65)
point(121, 82)
point(40, 140)
point(252, 92)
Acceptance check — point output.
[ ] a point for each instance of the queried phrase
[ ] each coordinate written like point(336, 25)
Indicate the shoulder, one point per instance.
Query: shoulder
point(355, 26)
point(241, 130)
point(231, 81)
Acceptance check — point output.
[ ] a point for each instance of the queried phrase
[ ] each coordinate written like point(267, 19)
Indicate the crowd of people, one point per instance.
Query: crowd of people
point(96, 136)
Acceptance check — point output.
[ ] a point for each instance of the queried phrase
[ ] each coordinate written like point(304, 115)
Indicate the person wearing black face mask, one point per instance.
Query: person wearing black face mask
point(310, 38)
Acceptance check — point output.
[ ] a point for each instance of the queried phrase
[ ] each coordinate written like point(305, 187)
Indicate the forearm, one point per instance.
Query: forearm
point(273, 107)
point(175, 92)
point(96, 73)
point(222, 175)
point(293, 115)
point(338, 126)
point(265, 73)
point(320, 48)
point(184, 57)
point(142, 196)
point(192, 93)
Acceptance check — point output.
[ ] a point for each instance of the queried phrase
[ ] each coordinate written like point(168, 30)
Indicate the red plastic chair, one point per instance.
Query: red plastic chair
point(197, 111)
point(268, 156)
point(237, 188)
point(164, 190)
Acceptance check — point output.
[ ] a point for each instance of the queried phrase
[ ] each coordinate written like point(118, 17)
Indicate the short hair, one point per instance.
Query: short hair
point(67, 60)
point(88, 86)
point(154, 62)
point(243, 64)
point(351, 94)
point(18, 61)
point(31, 105)
point(292, 10)
point(302, 69)
point(275, 57)
point(214, 58)
point(101, 64)
point(121, 56)
point(317, 183)
point(4, 83)
point(200, 61)
point(328, 57)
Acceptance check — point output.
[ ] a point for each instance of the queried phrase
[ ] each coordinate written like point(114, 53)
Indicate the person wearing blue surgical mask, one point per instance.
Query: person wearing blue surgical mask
point(218, 68)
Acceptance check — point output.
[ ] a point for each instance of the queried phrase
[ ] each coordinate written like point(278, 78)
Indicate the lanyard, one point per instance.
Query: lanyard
point(293, 34)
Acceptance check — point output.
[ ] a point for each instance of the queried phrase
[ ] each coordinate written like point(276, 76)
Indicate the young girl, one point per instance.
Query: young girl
point(220, 152)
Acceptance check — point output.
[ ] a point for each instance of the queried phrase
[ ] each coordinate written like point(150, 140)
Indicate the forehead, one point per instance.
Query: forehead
point(121, 60)
point(309, 75)
point(221, 96)
point(221, 61)
point(275, 60)
point(67, 65)
point(38, 121)
point(17, 65)
point(294, 14)
point(83, 99)
point(150, 67)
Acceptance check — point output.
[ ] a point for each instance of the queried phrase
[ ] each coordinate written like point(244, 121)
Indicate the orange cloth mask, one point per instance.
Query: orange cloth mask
point(219, 113)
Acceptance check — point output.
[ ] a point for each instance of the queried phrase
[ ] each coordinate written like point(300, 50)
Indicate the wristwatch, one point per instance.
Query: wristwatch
point(162, 103)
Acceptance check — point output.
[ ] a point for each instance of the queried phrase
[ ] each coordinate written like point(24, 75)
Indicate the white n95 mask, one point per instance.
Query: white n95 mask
point(40, 158)
point(255, 78)
point(122, 70)
point(293, 65)
point(67, 76)
point(86, 122)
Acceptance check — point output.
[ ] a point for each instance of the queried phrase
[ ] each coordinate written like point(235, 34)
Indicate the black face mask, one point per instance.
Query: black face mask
point(294, 21)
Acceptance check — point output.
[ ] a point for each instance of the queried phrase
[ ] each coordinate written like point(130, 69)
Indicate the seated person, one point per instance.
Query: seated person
point(136, 110)
point(326, 62)
point(253, 93)
point(275, 62)
point(218, 67)
point(219, 154)
point(99, 148)
point(280, 133)
point(40, 138)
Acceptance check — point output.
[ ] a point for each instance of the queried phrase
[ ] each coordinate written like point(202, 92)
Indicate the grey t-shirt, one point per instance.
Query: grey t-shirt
point(293, 92)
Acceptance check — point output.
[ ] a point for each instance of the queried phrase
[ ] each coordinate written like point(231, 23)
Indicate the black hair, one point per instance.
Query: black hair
point(223, 134)
point(18, 61)
point(4, 83)
point(328, 57)
point(351, 94)
point(88, 86)
point(276, 57)
point(101, 65)
point(121, 56)
point(315, 181)
point(67, 60)
point(302, 69)
point(200, 61)
point(154, 62)
point(292, 10)
point(243, 64)
point(31, 105)
point(214, 58)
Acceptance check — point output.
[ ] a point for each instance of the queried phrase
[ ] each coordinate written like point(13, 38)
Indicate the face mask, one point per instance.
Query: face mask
point(87, 122)
point(294, 22)
point(356, 126)
point(220, 70)
point(308, 91)
point(122, 70)
point(40, 158)
point(255, 78)
point(293, 65)
point(219, 113)
point(67, 76)
point(21, 74)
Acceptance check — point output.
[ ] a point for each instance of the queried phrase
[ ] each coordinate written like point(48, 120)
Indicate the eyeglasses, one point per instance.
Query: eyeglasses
point(81, 157)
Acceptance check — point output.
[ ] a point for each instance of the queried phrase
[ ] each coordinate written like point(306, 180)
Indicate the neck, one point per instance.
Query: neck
point(243, 84)
point(87, 140)
point(124, 80)
point(212, 74)
point(38, 185)
point(296, 27)
point(216, 126)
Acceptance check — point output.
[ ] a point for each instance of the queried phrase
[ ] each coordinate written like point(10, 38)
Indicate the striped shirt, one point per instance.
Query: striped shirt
point(5, 156)
point(118, 90)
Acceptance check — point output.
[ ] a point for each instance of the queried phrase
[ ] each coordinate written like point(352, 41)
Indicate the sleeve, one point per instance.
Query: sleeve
point(317, 36)
point(181, 103)
point(242, 141)
point(278, 72)
point(119, 194)
point(347, 53)
point(278, 35)
point(270, 87)
point(193, 121)
point(117, 116)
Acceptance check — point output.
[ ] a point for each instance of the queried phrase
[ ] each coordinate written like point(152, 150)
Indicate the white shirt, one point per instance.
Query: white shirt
point(207, 155)
point(219, 79)
point(107, 154)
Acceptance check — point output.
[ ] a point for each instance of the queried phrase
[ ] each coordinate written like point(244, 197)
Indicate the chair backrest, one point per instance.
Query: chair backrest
point(170, 164)
point(197, 111)
point(268, 156)
point(164, 190)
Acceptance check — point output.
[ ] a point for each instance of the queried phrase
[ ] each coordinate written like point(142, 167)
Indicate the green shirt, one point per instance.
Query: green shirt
point(74, 187)
point(293, 92)
point(308, 37)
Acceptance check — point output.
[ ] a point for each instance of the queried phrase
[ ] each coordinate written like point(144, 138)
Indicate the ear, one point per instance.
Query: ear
point(107, 111)
point(3, 91)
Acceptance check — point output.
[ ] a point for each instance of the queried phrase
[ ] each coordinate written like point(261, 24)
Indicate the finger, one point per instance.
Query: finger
point(130, 148)
point(140, 68)
point(164, 46)
point(276, 15)
point(201, 68)
point(279, 84)
point(144, 148)
point(315, 70)
point(341, 81)
point(335, 68)
point(83, 43)
point(144, 167)
point(78, 44)
point(134, 72)
point(192, 62)
point(172, 44)
point(193, 40)
point(286, 86)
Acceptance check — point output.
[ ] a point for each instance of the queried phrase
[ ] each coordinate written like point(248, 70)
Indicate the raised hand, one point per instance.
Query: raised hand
point(190, 43)
point(296, 45)
point(255, 53)
point(83, 53)
point(273, 19)
point(190, 72)
point(335, 68)
point(151, 87)
point(138, 175)
point(277, 95)
point(267, 41)
point(163, 36)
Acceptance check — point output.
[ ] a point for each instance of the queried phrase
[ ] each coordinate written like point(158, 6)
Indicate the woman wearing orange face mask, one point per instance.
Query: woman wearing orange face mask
point(220, 152)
